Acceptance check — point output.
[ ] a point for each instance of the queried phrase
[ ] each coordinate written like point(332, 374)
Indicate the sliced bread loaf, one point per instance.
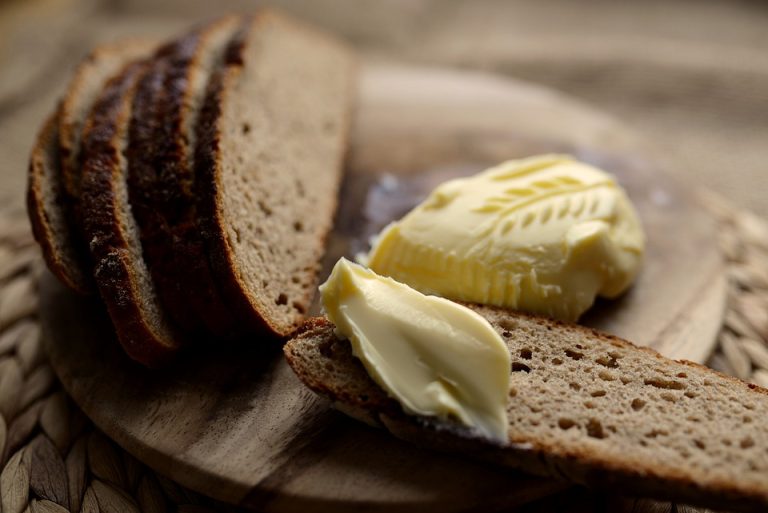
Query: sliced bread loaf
point(583, 406)
point(54, 173)
point(271, 140)
point(122, 277)
point(161, 176)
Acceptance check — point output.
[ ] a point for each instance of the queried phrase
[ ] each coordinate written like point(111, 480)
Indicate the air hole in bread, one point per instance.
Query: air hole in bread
point(682, 375)
point(667, 396)
point(300, 189)
point(265, 209)
point(597, 393)
point(625, 380)
point(590, 405)
point(699, 444)
point(575, 386)
point(606, 376)
point(526, 353)
point(512, 392)
point(246, 128)
point(746, 419)
point(508, 324)
point(298, 226)
point(668, 384)
point(607, 361)
point(299, 307)
point(282, 299)
point(574, 355)
point(746, 442)
point(329, 125)
point(637, 404)
point(566, 423)
point(595, 429)
point(654, 433)
point(557, 361)
point(520, 367)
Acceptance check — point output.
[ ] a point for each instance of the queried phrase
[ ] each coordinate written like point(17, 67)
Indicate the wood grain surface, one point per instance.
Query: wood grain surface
point(235, 424)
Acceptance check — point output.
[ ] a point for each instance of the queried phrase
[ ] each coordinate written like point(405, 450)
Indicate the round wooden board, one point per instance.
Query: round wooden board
point(238, 426)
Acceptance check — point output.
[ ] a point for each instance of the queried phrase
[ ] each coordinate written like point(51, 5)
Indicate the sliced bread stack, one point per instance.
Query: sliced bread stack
point(585, 407)
point(194, 182)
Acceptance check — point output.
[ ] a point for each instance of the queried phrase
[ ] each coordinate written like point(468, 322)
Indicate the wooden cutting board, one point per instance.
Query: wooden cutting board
point(238, 426)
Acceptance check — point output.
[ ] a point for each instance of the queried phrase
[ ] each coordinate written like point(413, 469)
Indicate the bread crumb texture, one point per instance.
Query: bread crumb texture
point(600, 396)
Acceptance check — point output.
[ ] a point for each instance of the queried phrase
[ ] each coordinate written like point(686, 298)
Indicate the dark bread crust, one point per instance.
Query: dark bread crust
point(45, 201)
point(362, 398)
point(161, 189)
point(208, 169)
point(114, 268)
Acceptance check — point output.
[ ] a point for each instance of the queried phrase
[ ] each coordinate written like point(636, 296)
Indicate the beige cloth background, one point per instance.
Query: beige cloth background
point(689, 76)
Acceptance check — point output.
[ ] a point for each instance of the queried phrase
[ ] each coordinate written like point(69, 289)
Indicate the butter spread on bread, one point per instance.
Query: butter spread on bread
point(435, 357)
point(545, 235)
point(582, 406)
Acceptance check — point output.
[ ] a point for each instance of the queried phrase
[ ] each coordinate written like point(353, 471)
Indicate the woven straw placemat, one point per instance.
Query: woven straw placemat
point(54, 460)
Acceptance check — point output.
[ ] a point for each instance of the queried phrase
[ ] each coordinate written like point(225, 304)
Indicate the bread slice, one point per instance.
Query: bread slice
point(122, 276)
point(583, 406)
point(86, 85)
point(45, 205)
point(271, 141)
point(161, 176)
point(53, 189)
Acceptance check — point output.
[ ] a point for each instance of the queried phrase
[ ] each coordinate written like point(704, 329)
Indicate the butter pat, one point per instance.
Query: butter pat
point(545, 235)
point(435, 357)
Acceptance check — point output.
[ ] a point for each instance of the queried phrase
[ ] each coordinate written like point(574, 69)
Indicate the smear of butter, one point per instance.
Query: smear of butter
point(544, 234)
point(435, 357)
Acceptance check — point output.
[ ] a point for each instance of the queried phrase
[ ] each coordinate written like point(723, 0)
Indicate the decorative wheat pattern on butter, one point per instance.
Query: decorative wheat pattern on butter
point(545, 201)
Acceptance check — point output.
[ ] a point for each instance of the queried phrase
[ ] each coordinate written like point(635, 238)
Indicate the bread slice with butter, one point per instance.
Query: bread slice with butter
point(583, 406)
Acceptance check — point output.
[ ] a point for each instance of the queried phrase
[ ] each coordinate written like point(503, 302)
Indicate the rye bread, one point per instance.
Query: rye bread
point(86, 85)
point(271, 140)
point(583, 406)
point(161, 176)
point(53, 189)
point(47, 214)
point(122, 277)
